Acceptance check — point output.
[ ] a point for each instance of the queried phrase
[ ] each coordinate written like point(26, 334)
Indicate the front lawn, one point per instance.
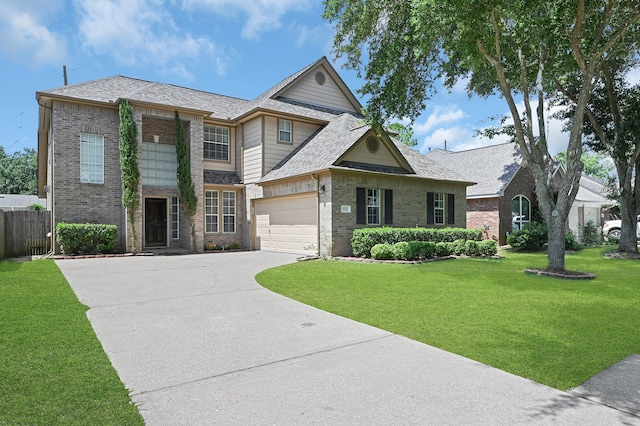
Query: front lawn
point(552, 331)
point(53, 369)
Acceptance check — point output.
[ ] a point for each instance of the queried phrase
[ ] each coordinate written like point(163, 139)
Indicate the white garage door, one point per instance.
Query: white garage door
point(287, 224)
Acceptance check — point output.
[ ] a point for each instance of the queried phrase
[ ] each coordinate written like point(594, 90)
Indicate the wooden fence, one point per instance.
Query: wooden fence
point(24, 233)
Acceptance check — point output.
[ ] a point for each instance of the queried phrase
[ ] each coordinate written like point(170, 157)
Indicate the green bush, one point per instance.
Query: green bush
point(533, 236)
point(570, 242)
point(444, 249)
point(382, 252)
point(591, 235)
point(402, 251)
point(89, 238)
point(364, 239)
point(471, 248)
point(458, 247)
point(488, 247)
point(424, 249)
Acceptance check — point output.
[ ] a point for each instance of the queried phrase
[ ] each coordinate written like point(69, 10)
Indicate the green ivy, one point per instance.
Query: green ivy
point(129, 166)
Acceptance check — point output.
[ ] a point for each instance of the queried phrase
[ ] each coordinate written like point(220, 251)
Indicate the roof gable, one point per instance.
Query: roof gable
point(372, 150)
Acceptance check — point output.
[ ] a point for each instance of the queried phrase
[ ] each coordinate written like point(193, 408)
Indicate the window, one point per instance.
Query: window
point(159, 165)
point(520, 212)
point(211, 211)
point(229, 211)
point(175, 218)
point(284, 131)
point(216, 143)
point(369, 204)
point(373, 206)
point(91, 158)
point(438, 209)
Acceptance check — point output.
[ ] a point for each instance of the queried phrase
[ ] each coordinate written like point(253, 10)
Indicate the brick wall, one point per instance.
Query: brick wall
point(409, 203)
point(84, 202)
point(483, 212)
point(521, 184)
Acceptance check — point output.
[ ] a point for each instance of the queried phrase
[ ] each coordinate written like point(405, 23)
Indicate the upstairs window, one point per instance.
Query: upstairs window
point(284, 131)
point(91, 158)
point(216, 143)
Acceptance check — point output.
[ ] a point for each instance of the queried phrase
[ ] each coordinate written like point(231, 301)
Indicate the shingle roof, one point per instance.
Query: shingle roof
point(216, 177)
point(111, 89)
point(323, 149)
point(592, 190)
point(492, 167)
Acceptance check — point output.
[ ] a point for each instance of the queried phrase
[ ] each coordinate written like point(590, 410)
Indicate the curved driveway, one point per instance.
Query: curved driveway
point(197, 341)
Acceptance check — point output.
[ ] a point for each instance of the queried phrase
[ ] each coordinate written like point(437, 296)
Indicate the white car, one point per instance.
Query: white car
point(611, 228)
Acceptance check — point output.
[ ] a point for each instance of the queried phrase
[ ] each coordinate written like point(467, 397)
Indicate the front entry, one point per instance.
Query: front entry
point(155, 222)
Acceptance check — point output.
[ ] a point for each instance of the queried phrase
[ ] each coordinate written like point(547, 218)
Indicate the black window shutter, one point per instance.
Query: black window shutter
point(361, 206)
point(430, 218)
point(388, 206)
point(451, 206)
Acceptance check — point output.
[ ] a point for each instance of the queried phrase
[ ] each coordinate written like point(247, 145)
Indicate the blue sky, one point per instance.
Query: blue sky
point(232, 47)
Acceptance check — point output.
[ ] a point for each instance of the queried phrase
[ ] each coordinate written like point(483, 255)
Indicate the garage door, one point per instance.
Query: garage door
point(286, 224)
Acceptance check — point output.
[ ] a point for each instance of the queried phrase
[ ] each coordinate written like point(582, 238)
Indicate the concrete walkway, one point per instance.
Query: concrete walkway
point(198, 342)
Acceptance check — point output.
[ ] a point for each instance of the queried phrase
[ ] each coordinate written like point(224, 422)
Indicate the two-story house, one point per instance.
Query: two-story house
point(294, 170)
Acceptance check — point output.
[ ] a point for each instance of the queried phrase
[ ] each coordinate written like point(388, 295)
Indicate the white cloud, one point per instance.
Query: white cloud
point(317, 35)
point(261, 15)
point(634, 76)
point(26, 38)
point(440, 115)
point(141, 32)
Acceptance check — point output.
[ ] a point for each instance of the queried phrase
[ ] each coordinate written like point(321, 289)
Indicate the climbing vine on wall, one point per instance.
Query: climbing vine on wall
point(129, 166)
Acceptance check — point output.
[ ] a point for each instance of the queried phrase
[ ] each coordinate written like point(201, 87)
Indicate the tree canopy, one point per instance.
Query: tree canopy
point(19, 172)
point(595, 164)
point(516, 48)
point(405, 133)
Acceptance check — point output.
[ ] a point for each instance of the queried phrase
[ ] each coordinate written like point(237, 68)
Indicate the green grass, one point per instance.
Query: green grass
point(555, 332)
point(53, 369)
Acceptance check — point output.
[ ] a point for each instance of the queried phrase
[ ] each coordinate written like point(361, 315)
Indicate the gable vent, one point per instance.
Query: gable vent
point(372, 144)
point(320, 78)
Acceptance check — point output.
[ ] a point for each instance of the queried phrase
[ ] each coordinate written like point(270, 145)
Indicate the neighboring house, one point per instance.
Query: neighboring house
point(591, 204)
point(293, 170)
point(504, 197)
point(17, 202)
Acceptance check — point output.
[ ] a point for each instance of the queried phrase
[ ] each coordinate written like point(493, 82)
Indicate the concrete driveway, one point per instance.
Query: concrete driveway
point(197, 341)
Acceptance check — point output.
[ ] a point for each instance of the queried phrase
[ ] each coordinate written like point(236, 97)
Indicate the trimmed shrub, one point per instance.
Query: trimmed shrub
point(364, 239)
point(533, 236)
point(591, 236)
point(488, 247)
point(382, 252)
point(457, 247)
point(402, 251)
point(88, 238)
point(444, 249)
point(471, 248)
point(425, 249)
point(570, 242)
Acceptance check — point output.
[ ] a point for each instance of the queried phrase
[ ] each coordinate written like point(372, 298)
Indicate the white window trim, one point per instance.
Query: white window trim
point(520, 222)
point(438, 206)
point(282, 130)
point(92, 176)
point(225, 214)
point(177, 216)
point(208, 195)
point(226, 144)
point(373, 194)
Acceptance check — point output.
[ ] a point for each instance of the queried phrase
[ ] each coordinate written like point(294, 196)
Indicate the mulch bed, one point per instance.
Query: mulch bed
point(565, 275)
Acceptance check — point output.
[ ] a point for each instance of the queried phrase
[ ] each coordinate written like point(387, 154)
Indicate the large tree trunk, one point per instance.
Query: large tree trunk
point(628, 208)
point(555, 248)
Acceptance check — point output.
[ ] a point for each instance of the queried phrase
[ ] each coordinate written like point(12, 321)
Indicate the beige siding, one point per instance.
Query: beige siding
point(361, 154)
point(328, 94)
point(274, 152)
point(226, 166)
point(252, 151)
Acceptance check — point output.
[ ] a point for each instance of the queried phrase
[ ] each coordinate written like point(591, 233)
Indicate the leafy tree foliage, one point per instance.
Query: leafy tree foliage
point(188, 198)
point(19, 172)
point(595, 165)
point(405, 133)
point(129, 166)
point(517, 48)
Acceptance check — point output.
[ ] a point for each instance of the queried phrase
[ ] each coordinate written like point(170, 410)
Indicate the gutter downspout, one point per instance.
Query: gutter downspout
point(317, 179)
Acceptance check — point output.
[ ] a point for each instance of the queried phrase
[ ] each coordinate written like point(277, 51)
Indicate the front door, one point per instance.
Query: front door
point(155, 222)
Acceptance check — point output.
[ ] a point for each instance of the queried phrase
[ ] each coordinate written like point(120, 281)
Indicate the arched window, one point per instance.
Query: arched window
point(520, 212)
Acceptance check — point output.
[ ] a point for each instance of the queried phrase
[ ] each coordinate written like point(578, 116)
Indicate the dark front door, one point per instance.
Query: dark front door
point(155, 222)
